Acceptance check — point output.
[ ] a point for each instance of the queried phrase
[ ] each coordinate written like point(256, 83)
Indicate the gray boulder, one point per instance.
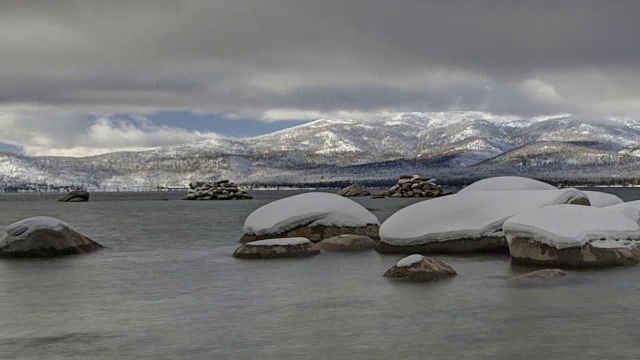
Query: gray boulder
point(276, 248)
point(75, 196)
point(43, 236)
point(419, 268)
point(347, 242)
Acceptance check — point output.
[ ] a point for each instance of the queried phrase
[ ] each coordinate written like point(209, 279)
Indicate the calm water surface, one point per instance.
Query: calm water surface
point(167, 288)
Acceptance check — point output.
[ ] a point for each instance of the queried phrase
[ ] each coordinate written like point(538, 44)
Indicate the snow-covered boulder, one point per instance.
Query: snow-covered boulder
point(347, 242)
point(276, 248)
point(502, 183)
point(75, 196)
point(629, 209)
point(467, 222)
point(419, 268)
point(573, 236)
point(602, 199)
point(314, 216)
point(43, 236)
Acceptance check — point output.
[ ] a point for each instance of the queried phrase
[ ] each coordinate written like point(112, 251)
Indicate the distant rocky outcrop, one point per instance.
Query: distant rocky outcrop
point(75, 196)
point(218, 190)
point(353, 190)
point(419, 268)
point(347, 242)
point(276, 248)
point(43, 236)
point(413, 186)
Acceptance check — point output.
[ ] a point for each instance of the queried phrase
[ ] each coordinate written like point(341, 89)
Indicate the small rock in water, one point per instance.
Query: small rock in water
point(542, 274)
point(75, 196)
point(421, 269)
point(276, 248)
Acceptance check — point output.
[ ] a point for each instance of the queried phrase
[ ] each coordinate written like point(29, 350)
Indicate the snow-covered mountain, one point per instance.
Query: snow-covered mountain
point(449, 145)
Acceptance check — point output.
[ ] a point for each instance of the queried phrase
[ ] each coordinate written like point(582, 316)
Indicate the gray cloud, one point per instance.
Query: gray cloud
point(252, 57)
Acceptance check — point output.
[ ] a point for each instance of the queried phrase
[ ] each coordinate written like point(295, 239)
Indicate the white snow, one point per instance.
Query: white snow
point(630, 211)
point(23, 228)
point(280, 241)
point(507, 183)
point(309, 209)
point(468, 215)
point(564, 226)
point(409, 260)
point(601, 199)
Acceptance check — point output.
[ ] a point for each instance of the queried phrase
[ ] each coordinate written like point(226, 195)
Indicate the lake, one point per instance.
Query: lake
point(167, 287)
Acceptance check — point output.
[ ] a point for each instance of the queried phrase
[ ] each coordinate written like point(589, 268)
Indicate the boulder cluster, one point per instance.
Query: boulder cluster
point(415, 186)
point(218, 190)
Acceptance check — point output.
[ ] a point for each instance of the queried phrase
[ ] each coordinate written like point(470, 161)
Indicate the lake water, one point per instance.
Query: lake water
point(167, 288)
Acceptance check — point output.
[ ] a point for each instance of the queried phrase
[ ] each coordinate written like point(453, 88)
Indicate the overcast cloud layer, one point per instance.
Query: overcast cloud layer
point(74, 64)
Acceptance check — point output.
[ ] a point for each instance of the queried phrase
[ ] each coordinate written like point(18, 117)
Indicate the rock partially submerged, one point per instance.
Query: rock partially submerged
point(463, 223)
point(353, 190)
point(276, 248)
point(347, 242)
point(43, 236)
point(570, 236)
point(75, 196)
point(314, 216)
point(419, 268)
point(541, 274)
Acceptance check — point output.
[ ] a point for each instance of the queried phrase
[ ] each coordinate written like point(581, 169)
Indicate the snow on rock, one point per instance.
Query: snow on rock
point(277, 248)
point(602, 199)
point(312, 215)
point(23, 228)
point(563, 226)
point(457, 222)
point(420, 268)
point(501, 183)
point(626, 209)
point(280, 241)
point(577, 236)
point(43, 236)
point(410, 260)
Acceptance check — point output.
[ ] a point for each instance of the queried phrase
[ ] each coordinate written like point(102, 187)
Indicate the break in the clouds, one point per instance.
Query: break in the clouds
point(275, 60)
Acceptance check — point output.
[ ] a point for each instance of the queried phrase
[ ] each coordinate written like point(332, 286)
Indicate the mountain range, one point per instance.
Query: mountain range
point(454, 147)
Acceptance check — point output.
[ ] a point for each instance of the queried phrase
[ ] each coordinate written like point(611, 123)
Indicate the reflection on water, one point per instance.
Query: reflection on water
point(167, 287)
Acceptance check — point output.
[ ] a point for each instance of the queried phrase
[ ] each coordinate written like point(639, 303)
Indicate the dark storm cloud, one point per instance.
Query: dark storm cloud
point(201, 54)
point(286, 58)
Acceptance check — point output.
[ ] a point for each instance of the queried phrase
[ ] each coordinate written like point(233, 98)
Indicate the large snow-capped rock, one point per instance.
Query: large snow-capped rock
point(467, 222)
point(43, 236)
point(276, 248)
point(314, 216)
point(573, 236)
point(502, 183)
point(602, 199)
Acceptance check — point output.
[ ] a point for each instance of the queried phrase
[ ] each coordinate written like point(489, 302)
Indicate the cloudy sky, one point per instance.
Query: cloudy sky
point(80, 77)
